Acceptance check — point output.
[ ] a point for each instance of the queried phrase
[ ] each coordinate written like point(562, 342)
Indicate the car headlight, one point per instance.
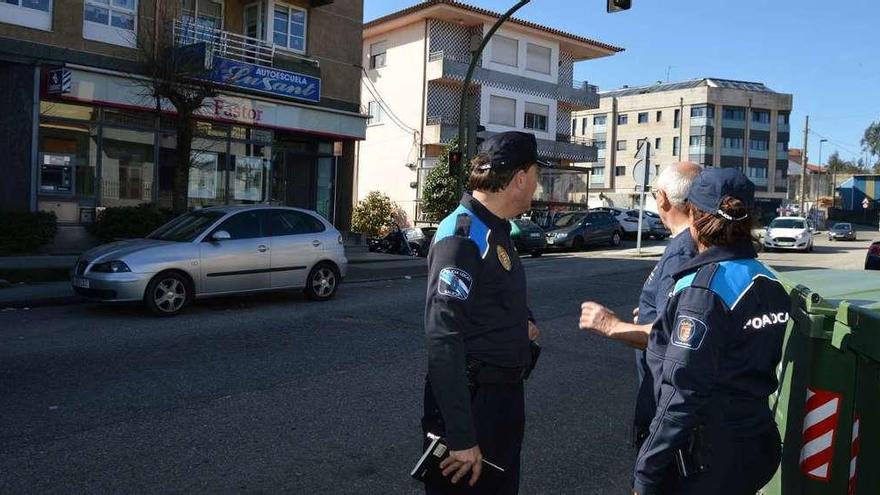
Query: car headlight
point(111, 267)
point(561, 235)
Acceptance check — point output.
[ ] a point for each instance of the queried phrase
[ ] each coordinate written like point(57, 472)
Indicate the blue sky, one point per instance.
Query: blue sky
point(824, 52)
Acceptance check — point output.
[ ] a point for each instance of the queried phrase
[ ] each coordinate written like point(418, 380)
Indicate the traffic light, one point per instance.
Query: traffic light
point(618, 5)
point(454, 159)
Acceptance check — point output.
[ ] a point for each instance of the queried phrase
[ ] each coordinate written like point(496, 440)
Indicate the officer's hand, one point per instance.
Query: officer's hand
point(462, 461)
point(636, 315)
point(534, 333)
point(597, 318)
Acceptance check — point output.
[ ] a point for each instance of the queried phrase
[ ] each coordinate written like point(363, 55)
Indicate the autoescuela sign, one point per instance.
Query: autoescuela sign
point(266, 80)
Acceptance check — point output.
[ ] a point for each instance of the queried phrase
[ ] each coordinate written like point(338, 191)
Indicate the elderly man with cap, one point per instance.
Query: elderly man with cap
point(478, 326)
point(712, 355)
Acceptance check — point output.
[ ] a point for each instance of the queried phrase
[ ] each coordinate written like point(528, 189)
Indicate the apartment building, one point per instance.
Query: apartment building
point(80, 133)
point(415, 61)
point(713, 122)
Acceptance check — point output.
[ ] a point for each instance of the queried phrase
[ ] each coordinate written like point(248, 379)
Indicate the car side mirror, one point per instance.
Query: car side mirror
point(220, 235)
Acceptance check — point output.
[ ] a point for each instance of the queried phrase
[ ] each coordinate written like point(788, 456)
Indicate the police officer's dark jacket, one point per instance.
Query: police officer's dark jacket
point(713, 355)
point(476, 306)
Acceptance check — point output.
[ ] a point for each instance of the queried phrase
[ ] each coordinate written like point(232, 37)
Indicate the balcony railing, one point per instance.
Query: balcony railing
point(224, 43)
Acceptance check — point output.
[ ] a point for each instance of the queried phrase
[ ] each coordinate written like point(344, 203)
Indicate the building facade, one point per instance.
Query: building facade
point(713, 122)
point(415, 62)
point(82, 131)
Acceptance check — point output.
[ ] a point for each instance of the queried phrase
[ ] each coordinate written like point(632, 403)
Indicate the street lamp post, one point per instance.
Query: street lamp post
point(465, 115)
point(821, 141)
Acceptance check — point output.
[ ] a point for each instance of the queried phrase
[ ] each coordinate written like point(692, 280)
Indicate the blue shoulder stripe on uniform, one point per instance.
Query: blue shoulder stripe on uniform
point(479, 232)
point(684, 282)
point(734, 278)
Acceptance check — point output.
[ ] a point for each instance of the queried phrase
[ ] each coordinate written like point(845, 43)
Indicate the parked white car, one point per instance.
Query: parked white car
point(629, 220)
point(789, 233)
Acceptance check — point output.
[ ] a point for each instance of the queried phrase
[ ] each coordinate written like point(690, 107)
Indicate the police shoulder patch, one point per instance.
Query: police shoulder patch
point(689, 332)
point(454, 282)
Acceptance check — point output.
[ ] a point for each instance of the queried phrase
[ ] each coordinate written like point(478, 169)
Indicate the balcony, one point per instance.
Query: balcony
point(759, 126)
point(702, 121)
point(759, 153)
point(234, 46)
point(700, 149)
point(759, 181)
point(444, 67)
point(223, 43)
point(782, 127)
point(599, 129)
point(731, 151)
point(733, 124)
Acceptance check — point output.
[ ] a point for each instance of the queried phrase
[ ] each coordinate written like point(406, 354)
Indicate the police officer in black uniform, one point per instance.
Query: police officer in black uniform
point(478, 325)
point(713, 354)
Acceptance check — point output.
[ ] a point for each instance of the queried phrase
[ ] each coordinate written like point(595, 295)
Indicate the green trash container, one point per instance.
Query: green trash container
point(829, 385)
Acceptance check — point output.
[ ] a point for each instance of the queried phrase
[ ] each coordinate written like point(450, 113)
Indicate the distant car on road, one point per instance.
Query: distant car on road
point(217, 251)
point(872, 259)
point(527, 237)
point(789, 233)
point(842, 231)
point(657, 229)
point(628, 219)
point(419, 239)
point(578, 228)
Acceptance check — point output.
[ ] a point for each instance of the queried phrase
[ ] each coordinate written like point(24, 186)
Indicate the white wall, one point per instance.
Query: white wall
point(388, 148)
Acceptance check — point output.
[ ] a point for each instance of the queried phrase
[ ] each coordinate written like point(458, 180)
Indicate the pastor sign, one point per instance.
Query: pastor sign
point(269, 80)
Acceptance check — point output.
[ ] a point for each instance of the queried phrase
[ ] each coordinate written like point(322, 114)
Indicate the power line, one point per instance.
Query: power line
point(832, 141)
point(381, 101)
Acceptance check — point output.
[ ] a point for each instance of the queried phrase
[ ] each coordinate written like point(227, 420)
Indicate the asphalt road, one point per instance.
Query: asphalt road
point(278, 394)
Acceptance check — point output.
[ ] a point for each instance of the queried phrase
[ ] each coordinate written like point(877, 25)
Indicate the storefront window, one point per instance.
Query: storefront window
point(251, 172)
point(127, 167)
point(207, 175)
point(324, 189)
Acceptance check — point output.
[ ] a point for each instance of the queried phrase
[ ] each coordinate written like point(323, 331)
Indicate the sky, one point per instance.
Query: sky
point(824, 52)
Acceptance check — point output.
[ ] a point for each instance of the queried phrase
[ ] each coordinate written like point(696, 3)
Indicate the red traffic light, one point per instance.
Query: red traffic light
point(454, 159)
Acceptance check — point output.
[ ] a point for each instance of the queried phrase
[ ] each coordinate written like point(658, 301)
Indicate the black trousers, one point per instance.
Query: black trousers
point(737, 466)
point(499, 418)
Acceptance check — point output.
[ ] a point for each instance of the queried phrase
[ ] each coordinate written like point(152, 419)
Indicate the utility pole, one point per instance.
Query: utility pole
point(804, 166)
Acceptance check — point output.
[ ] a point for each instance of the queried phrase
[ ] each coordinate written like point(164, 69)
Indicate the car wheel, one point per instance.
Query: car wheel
point(810, 248)
point(577, 243)
point(322, 282)
point(537, 253)
point(167, 294)
point(416, 250)
point(615, 238)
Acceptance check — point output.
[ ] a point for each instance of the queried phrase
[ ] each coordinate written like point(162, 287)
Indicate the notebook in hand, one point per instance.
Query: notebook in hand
point(427, 469)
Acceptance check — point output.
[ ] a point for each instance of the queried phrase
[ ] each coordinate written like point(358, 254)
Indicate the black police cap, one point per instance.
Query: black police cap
point(510, 150)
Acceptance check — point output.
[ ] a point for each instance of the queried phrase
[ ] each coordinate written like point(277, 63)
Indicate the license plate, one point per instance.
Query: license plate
point(81, 283)
point(786, 244)
point(535, 235)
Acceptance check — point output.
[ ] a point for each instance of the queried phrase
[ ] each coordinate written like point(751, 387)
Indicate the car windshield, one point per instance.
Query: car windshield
point(187, 227)
point(524, 224)
point(568, 220)
point(842, 226)
point(787, 223)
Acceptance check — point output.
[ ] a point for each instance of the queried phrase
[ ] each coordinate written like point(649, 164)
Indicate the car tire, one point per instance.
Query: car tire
point(809, 248)
point(537, 253)
point(322, 282)
point(168, 293)
point(416, 250)
point(615, 238)
point(577, 243)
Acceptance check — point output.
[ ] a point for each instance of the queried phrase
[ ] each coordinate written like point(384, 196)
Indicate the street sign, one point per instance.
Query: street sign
point(865, 203)
point(60, 82)
point(639, 173)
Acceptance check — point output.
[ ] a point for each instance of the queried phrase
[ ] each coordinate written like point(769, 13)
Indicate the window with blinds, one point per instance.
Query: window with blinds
point(502, 111)
point(538, 58)
point(505, 50)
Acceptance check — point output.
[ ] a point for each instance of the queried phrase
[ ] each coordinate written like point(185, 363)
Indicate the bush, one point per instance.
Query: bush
point(373, 214)
point(128, 222)
point(24, 232)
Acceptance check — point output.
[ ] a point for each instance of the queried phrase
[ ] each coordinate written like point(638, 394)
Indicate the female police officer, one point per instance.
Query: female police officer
point(713, 354)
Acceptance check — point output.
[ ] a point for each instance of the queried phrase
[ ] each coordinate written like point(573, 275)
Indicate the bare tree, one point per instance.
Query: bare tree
point(177, 74)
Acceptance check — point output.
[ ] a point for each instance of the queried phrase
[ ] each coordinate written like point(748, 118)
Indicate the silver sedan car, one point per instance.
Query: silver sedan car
point(217, 251)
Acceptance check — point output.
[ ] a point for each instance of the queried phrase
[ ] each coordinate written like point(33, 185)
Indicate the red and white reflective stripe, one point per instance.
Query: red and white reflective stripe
point(820, 429)
point(854, 457)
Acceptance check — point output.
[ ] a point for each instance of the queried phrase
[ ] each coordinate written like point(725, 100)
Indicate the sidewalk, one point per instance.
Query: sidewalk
point(363, 266)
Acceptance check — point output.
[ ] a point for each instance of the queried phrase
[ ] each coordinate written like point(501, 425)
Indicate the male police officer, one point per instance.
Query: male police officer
point(477, 322)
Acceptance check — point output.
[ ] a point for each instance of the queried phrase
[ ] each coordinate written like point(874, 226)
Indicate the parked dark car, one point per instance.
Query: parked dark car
point(527, 237)
point(658, 229)
point(577, 229)
point(872, 259)
point(419, 239)
point(842, 231)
